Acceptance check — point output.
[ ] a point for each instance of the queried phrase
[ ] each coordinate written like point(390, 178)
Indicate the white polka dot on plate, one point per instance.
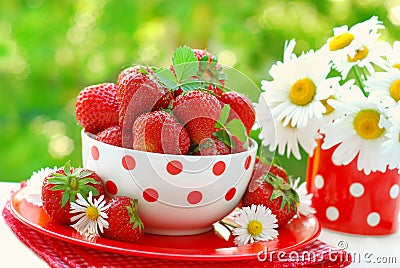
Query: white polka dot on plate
point(319, 181)
point(394, 191)
point(356, 189)
point(373, 219)
point(332, 213)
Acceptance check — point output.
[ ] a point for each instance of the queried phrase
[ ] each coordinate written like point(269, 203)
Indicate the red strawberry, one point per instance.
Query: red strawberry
point(111, 135)
point(97, 107)
point(198, 112)
point(274, 193)
point(241, 108)
point(140, 93)
point(261, 168)
point(123, 219)
point(159, 132)
point(213, 146)
point(62, 187)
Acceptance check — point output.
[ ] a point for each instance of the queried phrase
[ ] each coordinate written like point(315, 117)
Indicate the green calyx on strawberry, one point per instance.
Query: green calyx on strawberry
point(124, 221)
point(268, 188)
point(283, 191)
point(61, 187)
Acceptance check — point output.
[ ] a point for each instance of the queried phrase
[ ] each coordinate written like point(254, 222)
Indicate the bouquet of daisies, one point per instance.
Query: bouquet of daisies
point(346, 93)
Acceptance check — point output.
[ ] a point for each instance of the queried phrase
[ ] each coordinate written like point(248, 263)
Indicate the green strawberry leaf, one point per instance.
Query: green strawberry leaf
point(223, 117)
point(191, 85)
point(67, 168)
point(167, 77)
point(84, 173)
point(61, 187)
point(65, 197)
point(185, 63)
point(223, 136)
point(236, 128)
point(57, 181)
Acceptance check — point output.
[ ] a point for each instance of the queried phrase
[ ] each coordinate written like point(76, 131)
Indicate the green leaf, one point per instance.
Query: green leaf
point(67, 168)
point(167, 77)
point(85, 173)
point(191, 85)
point(58, 181)
point(236, 128)
point(65, 197)
point(62, 187)
point(185, 63)
point(224, 116)
point(223, 136)
point(86, 181)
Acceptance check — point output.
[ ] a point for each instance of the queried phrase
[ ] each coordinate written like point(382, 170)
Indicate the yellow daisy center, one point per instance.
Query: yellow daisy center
point(302, 92)
point(329, 109)
point(395, 90)
point(397, 65)
point(340, 41)
point(360, 54)
point(254, 228)
point(92, 213)
point(366, 124)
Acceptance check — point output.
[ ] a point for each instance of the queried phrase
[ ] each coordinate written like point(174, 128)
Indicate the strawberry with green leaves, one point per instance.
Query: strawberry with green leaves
point(160, 132)
point(124, 223)
point(97, 107)
point(274, 193)
point(61, 188)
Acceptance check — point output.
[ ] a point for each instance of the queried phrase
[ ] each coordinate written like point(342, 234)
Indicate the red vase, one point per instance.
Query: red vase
point(348, 200)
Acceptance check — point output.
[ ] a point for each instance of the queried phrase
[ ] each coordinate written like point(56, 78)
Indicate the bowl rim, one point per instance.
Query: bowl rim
point(253, 147)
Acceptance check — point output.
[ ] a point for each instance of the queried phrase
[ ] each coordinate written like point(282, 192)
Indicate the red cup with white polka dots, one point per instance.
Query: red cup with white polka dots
point(348, 200)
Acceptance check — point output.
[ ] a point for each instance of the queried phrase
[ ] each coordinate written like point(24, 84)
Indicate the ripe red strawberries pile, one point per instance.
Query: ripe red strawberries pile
point(62, 187)
point(182, 109)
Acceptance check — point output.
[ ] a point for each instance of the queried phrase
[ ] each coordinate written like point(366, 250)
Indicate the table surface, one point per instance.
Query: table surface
point(366, 251)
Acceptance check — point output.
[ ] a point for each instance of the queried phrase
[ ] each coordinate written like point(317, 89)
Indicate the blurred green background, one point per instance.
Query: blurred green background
point(50, 50)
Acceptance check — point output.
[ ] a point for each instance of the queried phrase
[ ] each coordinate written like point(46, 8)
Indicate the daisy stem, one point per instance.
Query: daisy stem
point(359, 80)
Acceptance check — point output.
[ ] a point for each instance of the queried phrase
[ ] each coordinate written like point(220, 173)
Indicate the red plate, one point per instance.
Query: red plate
point(207, 246)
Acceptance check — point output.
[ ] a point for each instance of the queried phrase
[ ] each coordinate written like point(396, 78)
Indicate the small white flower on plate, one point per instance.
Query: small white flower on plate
point(34, 185)
point(304, 206)
point(92, 215)
point(256, 223)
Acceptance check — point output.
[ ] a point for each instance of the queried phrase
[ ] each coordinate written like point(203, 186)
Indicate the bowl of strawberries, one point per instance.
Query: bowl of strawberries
point(176, 139)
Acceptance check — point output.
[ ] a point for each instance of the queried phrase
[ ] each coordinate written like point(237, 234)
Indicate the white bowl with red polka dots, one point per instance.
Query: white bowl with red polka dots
point(177, 194)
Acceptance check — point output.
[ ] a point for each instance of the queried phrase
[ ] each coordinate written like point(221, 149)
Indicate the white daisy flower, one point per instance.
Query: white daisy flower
point(304, 206)
point(91, 215)
point(371, 52)
point(298, 86)
point(256, 223)
point(391, 147)
point(352, 43)
point(393, 55)
point(385, 87)
point(360, 132)
point(285, 138)
point(34, 185)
